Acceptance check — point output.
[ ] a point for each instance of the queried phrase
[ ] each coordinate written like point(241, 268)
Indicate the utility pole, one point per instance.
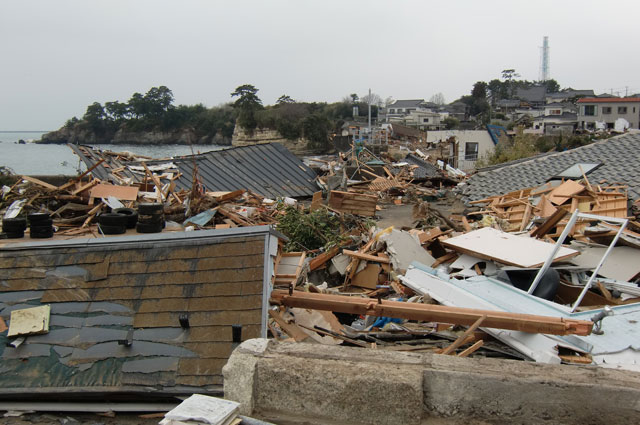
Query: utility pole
point(370, 116)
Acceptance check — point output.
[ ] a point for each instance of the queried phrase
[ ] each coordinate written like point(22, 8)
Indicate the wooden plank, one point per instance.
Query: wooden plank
point(86, 187)
point(469, 332)
point(471, 349)
point(291, 329)
point(367, 277)
point(316, 201)
point(39, 182)
point(366, 257)
point(549, 224)
point(432, 313)
point(321, 259)
point(562, 193)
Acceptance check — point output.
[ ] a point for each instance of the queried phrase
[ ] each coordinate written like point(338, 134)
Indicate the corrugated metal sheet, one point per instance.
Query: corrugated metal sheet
point(268, 169)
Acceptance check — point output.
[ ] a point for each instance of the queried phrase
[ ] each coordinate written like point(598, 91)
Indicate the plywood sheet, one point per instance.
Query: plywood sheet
point(506, 248)
point(368, 277)
point(127, 193)
point(29, 321)
point(562, 193)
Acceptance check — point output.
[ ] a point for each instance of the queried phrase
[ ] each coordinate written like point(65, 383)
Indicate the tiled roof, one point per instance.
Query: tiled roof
point(621, 164)
point(608, 99)
point(407, 103)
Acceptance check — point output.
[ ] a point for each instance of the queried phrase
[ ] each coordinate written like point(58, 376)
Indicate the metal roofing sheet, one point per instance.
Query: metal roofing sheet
point(268, 169)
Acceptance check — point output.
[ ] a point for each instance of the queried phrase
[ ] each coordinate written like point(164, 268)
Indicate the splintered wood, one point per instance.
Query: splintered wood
point(520, 207)
point(353, 203)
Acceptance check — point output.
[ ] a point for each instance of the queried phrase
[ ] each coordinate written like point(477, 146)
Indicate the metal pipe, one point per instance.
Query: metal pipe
point(602, 260)
point(556, 248)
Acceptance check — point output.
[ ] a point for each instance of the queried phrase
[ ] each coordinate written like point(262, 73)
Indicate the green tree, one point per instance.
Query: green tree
point(284, 99)
point(451, 123)
point(138, 105)
point(116, 111)
point(94, 116)
point(246, 105)
point(552, 86)
point(158, 100)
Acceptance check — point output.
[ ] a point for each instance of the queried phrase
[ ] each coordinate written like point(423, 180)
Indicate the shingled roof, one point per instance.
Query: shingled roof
point(138, 314)
point(619, 156)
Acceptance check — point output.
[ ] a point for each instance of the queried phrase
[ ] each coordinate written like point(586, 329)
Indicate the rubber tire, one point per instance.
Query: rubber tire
point(112, 230)
point(113, 219)
point(14, 225)
point(151, 218)
point(132, 216)
point(149, 228)
point(150, 208)
point(38, 217)
point(547, 287)
point(44, 223)
point(43, 232)
point(14, 235)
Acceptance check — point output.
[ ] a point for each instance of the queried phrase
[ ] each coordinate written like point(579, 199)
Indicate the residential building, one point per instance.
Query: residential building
point(534, 96)
point(566, 95)
point(401, 108)
point(607, 110)
point(466, 148)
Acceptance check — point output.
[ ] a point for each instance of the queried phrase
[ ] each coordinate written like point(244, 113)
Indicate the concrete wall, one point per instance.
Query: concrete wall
point(335, 384)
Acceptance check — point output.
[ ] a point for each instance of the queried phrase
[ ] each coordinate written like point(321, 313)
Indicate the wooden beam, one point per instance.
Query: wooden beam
point(432, 313)
point(86, 187)
point(366, 257)
point(552, 221)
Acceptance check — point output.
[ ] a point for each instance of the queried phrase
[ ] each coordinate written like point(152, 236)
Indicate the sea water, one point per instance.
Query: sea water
point(34, 159)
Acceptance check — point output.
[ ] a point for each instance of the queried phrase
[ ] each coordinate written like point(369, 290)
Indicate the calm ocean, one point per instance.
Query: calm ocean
point(32, 159)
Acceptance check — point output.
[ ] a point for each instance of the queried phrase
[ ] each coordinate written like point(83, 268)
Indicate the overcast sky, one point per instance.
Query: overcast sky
point(57, 57)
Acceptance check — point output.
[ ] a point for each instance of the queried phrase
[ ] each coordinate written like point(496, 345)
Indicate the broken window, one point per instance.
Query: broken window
point(606, 109)
point(622, 109)
point(589, 110)
point(471, 151)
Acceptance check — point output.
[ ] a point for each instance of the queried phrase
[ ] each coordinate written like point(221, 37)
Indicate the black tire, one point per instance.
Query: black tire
point(150, 208)
point(43, 223)
point(17, 224)
point(14, 235)
point(132, 216)
point(149, 228)
point(38, 217)
point(112, 230)
point(41, 232)
point(151, 218)
point(113, 219)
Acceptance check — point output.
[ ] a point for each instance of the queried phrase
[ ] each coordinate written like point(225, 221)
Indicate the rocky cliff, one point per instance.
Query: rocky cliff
point(81, 135)
point(261, 135)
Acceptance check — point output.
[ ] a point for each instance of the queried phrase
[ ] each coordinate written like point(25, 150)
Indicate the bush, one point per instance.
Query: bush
point(308, 230)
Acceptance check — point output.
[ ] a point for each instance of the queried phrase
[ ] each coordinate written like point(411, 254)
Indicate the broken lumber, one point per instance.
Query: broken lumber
point(432, 313)
point(353, 203)
point(366, 257)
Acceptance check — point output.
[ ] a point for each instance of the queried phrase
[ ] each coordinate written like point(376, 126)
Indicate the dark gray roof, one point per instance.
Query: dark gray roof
point(407, 103)
point(621, 164)
point(425, 169)
point(565, 116)
point(532, 94)
point(268, 169)
point(509, 103)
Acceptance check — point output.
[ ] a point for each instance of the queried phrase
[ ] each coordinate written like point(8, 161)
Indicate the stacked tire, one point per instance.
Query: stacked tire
point(150, 218)
point(40, 225)
point(112, 223)
point(14, 228)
